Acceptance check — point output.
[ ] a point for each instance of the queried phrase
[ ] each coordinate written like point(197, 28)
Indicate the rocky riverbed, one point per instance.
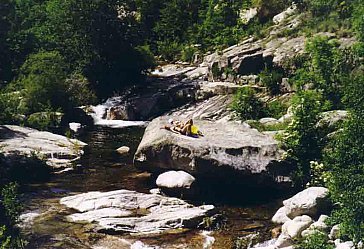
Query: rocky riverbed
point(103, 170)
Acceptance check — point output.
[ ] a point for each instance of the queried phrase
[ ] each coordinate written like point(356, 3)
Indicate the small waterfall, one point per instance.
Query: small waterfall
point(99, 111)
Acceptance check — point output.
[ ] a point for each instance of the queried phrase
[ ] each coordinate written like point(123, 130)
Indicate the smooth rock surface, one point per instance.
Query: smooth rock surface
point(344, 245)
point(58, 151)
point(311, 201)
point(294, 228)
point(127, 211)
point(283, 15)
point(280, 217)
point(226, 150)
point(175, 180)
point(123, 150)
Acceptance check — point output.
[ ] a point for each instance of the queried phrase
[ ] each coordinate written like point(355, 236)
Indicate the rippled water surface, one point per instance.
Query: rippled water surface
point(103, 169)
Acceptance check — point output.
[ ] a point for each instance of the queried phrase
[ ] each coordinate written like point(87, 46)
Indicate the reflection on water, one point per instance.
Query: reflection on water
point(103, 169)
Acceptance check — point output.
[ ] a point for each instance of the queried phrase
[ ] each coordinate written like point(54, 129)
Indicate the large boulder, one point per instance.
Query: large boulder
point(311, 201)
point(58, 151)
point(227, 150)
point(175, 180)
point(126, 211)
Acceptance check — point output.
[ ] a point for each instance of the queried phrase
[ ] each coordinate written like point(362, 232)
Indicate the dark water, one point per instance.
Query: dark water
point(103, 169)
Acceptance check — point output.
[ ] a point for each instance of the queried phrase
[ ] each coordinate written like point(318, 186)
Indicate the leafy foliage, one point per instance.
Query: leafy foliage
point(271, 79)
point(43, 80)
point(247, 105)
point(315, 241)
point(346, 162)
point(9, 213)
point(301, 140)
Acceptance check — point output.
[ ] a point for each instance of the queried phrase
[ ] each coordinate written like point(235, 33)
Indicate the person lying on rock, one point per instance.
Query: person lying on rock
point(187, 128)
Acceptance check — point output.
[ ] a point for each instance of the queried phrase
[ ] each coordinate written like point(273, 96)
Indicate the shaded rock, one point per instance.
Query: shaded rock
point(311, 201)
point(175, 180)
point(317, 226)
point(334, 232)
point(58, 151)
point(283, 241)
point(228, 151)
point(123, 150)
point(294, 228)
point(332, 119)
point(127, 211)
point(146, 102)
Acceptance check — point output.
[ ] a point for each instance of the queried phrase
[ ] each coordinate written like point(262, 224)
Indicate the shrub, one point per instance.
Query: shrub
point(43, 78)
point(271, 79)
point(9, 213)
point(169, 50)
point(187, 53)
point(302, 140)
point(11, 108)
point(276, 109)
point(326, 69)
point(79, 90)
point(317, 240)
point(345, 159)
point(247, 105)
point(44, 120)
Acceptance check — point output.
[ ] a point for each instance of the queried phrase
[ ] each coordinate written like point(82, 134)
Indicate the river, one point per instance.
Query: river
point(103, 169)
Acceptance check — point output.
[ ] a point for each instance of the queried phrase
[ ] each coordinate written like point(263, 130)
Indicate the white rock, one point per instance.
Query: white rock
point(140, 245)
point(344, 245)
point(293, 228)
point(132, 212)
point(284, 240)
point(123, 150)
point(268, 121)
point(283, 15)
point(320, 223)
point(74, 126)
point(310, 201)
point(280, 216)
point(248, 14)
point(59, 151)
point(175, 179)
point(335, 232)
point(155, 191)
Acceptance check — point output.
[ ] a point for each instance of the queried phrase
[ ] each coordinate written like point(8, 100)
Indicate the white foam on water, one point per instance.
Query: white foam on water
point(100, 110)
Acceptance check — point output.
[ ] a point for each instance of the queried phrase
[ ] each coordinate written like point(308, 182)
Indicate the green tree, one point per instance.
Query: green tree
point(302, 140)
point(345, 159)
point(43, 77)
point(327, 68)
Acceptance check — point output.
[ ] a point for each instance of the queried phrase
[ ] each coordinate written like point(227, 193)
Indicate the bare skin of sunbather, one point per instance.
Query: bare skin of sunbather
point(183, 128)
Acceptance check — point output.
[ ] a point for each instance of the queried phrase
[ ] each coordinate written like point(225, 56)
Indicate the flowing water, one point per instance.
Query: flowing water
point(102, 169)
